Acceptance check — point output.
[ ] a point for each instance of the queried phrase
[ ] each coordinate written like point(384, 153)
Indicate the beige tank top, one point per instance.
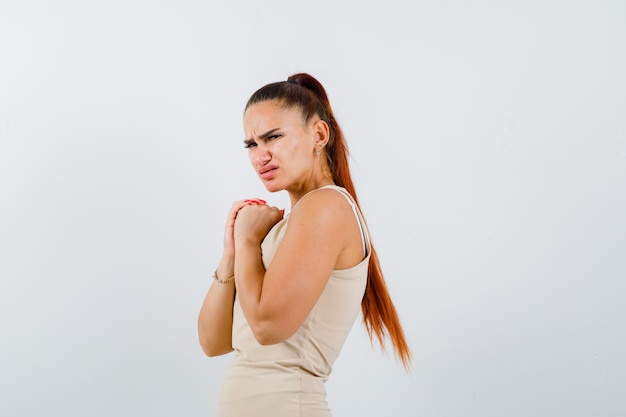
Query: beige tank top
point(287, 379)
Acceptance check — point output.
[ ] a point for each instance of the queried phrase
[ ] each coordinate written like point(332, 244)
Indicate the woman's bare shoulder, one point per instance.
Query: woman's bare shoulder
point(323, 204)
point(324, 215)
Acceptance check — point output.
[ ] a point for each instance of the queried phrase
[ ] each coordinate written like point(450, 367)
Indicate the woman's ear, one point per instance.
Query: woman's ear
point(322, 133)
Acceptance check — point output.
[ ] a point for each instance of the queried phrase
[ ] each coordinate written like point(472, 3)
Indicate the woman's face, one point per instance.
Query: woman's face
point(281, 146)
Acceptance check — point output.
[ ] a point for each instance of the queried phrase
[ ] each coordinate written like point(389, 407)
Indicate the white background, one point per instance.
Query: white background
point(489, 151)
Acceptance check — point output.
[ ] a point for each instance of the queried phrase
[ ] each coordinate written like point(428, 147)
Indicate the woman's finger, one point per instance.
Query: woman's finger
point(255, 201)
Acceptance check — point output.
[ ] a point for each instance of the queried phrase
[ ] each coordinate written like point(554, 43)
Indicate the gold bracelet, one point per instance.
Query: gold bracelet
point(222, 281)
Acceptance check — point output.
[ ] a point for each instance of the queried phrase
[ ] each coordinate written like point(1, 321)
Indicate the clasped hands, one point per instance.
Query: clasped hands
point(254, 220)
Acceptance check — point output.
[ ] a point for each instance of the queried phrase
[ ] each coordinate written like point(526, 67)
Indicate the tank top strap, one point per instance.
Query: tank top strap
point(365, 237)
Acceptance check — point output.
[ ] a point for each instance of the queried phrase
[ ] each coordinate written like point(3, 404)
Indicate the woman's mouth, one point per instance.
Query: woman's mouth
point(267, 172)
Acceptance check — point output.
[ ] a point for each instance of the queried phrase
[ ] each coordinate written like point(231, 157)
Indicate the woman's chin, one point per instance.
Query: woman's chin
point(272, 188)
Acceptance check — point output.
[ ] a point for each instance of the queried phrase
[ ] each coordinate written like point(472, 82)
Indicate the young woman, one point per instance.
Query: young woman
point(289, 288)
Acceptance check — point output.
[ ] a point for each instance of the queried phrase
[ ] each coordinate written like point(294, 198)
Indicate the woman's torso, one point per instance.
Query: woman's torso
point(287, 379)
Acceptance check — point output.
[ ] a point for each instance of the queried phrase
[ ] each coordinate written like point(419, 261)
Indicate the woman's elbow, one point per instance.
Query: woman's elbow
point(270, 334)
point(212, 349)
point(266, 340)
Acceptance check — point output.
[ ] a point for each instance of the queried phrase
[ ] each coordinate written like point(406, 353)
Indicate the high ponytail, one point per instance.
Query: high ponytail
point(379, 313)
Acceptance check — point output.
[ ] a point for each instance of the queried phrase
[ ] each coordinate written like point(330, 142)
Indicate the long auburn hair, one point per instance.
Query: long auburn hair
point(305, 92)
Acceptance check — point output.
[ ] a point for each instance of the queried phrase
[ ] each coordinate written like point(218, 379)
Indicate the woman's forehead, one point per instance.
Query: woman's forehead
point(271, 112)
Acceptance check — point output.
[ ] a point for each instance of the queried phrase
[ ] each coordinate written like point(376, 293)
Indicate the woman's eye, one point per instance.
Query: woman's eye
point(250, 145)
point(274, 137)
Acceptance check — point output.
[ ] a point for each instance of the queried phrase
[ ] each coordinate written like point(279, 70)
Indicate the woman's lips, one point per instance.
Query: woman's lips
point(267, 171)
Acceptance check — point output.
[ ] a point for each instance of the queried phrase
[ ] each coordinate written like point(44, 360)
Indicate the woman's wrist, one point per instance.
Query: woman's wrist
point(245, 244)
point(223, 280)
point(225, 269)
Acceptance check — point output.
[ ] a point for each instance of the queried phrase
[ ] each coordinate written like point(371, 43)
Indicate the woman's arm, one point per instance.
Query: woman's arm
point(215, 321)
point(322, 234)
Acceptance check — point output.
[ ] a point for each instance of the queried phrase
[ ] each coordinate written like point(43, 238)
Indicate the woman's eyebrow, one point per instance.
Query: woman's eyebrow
point(261, 136)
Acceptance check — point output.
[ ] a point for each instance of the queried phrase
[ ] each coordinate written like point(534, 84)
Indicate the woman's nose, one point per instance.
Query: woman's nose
point(262, 156)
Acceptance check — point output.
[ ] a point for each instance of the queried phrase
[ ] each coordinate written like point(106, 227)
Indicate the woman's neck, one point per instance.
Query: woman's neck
point(296, 193)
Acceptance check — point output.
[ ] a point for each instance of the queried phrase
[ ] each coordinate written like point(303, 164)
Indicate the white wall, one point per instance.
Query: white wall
point(489, 145)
